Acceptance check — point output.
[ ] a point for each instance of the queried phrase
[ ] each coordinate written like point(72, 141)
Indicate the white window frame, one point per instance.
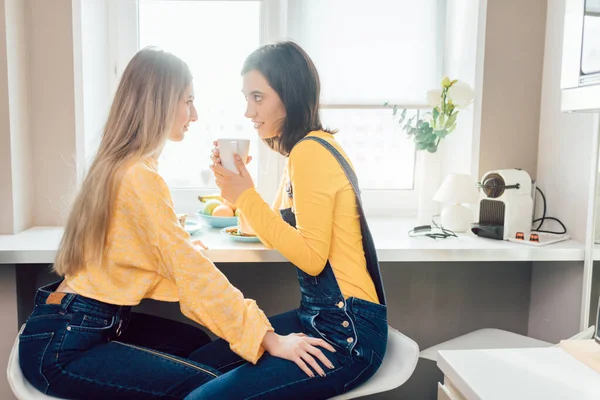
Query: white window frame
point(124, 43)
point(394, 202)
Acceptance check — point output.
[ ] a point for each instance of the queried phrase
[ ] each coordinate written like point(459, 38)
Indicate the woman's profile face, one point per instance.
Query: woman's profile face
point(264, 107)
point(185, 113)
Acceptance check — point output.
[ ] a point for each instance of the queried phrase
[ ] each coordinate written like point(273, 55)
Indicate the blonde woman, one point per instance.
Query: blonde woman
point(123, 243)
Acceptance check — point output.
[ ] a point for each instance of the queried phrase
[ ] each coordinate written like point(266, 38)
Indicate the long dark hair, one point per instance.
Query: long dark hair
point(292, 74)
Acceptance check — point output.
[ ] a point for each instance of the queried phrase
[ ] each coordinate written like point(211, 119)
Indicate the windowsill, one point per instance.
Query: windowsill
point(39, 245)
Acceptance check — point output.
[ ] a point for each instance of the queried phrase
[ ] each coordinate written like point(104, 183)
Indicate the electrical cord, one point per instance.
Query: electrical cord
point(429, 231)
point(544, 218)
point(443, 233)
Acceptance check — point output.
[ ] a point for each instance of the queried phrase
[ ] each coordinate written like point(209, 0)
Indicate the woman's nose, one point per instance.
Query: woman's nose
point(250, 112)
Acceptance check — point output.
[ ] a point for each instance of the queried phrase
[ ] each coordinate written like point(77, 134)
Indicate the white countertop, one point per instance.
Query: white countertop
point(542, 373)
point(39, 245)
point(596, 252)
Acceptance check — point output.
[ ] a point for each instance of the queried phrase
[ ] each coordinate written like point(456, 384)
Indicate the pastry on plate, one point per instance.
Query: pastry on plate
point(182, 218)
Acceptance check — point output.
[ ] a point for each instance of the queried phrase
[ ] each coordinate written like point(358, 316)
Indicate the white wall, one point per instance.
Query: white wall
point(6, 216)
point(564, 166)
point(564, 150)
point(52, 109)
point(514, 49)
point(17, 188)
point(19, 100)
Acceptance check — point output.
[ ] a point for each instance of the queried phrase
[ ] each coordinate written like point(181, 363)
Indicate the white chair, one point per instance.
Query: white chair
point(494, 339)
point(484, 339)
point(398, 365)
point(585, 334)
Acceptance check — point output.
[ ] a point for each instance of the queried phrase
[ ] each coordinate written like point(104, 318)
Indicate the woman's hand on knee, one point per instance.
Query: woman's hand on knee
point(299, 348)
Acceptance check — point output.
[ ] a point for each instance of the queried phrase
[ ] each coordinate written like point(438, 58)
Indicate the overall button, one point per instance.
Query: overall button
point(345, 324)
point(340, 304)
point(350, 340)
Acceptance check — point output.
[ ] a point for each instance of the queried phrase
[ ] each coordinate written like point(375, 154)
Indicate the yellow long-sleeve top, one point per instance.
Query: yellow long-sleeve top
point(149, 255)
point(327, 219)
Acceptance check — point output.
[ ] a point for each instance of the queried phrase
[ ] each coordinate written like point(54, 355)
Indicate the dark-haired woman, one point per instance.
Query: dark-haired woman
point(318, 224)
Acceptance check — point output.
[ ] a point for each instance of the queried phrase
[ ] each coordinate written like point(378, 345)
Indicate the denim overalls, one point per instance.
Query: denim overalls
point(323, 307)
point(356, 328)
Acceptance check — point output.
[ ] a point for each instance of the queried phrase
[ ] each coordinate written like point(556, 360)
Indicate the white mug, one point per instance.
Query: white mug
point(228, 148)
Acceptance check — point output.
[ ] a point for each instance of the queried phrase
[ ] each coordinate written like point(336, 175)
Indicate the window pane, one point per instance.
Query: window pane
point(370, 52)
point(382, 154)
point(590, 54)
point(213, 38)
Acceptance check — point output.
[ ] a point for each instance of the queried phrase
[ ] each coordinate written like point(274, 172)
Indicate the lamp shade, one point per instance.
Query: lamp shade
point(457, 188)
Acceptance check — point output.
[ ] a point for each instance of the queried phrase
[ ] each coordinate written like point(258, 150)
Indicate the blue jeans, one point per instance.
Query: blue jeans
point(74, 347)
point(276, 378)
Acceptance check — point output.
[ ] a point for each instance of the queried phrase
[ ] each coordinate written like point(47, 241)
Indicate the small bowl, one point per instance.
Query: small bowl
point(252, 239)
point(218, 222)
point(192, 227)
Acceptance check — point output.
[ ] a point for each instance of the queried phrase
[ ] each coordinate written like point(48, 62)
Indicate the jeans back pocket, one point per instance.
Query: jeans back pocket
point(32, 351)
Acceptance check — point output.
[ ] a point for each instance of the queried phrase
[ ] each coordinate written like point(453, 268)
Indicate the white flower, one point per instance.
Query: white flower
point(434, 98)
point(461, 94)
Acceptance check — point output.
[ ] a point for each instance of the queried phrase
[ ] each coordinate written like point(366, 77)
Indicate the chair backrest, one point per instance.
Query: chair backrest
point(399, 362)
point(21, 388)
point(586, 334)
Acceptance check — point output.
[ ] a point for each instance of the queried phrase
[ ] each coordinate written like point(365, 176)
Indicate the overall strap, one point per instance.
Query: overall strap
point(368, 244)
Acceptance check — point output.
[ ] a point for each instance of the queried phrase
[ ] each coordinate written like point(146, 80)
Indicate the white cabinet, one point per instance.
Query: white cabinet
point(580, 79)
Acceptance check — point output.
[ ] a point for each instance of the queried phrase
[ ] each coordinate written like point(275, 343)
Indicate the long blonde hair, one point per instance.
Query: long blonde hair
point(139, 121)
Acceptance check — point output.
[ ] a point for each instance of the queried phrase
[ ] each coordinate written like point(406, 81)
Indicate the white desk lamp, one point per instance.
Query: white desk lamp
point(457, 189)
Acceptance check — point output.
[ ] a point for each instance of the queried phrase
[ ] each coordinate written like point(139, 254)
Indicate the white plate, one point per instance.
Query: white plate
point(252, 239)
point(192, 227)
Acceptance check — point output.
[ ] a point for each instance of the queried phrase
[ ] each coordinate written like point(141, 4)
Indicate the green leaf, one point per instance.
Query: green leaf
point(395, 110)
point(436, 114)
point(402, 116)
point(451, 120)
point(451, 129)
point(419, 124)
point(430, 138)
point(426, 129)
point(421, 146)
point(442, 133)
point(386, 104)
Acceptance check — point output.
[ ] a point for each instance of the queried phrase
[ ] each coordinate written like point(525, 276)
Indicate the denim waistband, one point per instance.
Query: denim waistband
point(351, 304)
point(75, 302)
point(364, 307)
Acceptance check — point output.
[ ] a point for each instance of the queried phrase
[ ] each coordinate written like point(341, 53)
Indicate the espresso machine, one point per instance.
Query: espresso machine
point(506, 202)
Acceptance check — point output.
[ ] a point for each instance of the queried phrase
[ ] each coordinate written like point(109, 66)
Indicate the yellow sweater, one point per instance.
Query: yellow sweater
point(149, 255)
point(327, 220)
